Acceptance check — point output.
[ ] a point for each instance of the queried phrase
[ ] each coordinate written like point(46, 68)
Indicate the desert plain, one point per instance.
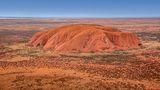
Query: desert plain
point(23, 67)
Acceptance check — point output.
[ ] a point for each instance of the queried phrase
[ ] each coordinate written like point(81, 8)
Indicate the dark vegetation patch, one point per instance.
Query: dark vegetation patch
point(108, 58)
point(69, 83)
point(151, 36)
point(153, 54)
point(12, 36)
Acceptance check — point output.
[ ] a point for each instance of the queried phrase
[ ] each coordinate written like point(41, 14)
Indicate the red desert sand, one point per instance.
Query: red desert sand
point(85, 38)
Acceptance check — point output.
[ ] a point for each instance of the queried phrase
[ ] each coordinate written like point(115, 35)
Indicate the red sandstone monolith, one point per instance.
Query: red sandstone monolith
point(85, 38)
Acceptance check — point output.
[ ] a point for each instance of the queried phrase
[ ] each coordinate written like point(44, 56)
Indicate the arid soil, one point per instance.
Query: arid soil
point(23, 67)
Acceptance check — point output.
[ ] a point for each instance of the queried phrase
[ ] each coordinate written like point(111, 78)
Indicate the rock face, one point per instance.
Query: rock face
point(84, 38)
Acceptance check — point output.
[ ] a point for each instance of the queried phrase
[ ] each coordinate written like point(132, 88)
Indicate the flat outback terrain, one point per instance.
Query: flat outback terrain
point(28, 67)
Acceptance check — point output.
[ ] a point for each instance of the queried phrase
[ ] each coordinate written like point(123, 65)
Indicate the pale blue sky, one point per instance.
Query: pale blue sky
point(80, 8)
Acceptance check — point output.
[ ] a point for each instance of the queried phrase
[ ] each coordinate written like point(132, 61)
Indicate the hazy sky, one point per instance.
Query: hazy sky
point(80, 8)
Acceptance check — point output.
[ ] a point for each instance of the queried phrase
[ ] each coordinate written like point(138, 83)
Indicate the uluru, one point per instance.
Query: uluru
point(84, 38)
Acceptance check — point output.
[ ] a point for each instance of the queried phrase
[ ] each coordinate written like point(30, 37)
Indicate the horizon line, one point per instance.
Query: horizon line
point(23, 17)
